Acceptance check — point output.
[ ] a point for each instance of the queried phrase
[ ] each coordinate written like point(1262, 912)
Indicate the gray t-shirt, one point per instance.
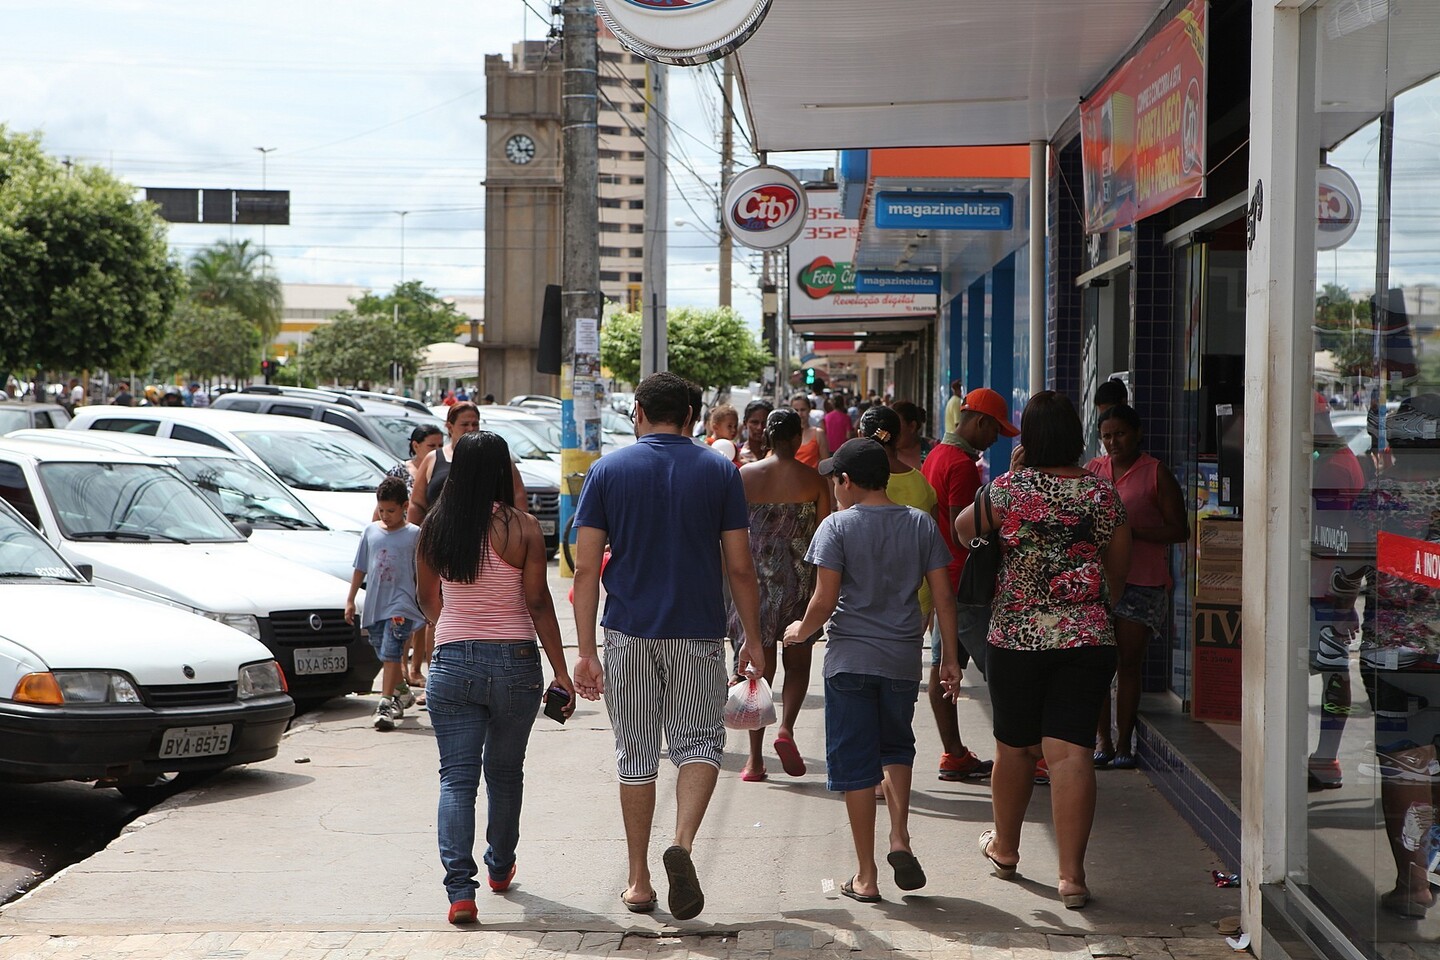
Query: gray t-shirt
point(882, 554)
point(388, 559)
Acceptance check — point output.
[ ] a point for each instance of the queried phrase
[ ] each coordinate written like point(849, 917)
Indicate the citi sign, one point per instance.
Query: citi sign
point(767, 207)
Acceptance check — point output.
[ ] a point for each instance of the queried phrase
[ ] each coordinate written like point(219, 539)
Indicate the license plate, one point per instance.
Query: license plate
point(181, 742)
point(321, 660)
point(547, 527)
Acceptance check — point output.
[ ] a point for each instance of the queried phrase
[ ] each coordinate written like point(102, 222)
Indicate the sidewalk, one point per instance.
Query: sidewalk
point(327, 852)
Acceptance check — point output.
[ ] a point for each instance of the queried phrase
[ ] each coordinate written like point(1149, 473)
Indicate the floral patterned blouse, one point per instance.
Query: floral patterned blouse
point(1051, 593)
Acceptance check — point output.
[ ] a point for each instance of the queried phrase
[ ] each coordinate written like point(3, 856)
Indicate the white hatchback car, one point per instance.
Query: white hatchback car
point(262, 507)
point(121, 691)
point(332, 471)
point(148, 533)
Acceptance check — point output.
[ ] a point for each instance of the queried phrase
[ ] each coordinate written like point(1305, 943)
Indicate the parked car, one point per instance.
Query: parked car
point(616, 430)
point(23, 414)
point(97, 686)
point(146, 532)
point(330, 469)
point(385, 420)
point(250, 496)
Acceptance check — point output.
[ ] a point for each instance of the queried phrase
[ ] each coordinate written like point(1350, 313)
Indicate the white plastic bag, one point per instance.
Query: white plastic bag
point(750, 705)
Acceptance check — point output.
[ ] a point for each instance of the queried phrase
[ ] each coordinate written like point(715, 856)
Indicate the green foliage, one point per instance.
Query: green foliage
point(417, 308)
point(206, 342)
point(84, 268)
point(710, 346)
point(1343, 327)
point(354, 348)
point(229, 273)
point(291, 375)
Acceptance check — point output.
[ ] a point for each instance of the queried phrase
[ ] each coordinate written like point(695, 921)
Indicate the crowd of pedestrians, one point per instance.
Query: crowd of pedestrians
point(842, 522)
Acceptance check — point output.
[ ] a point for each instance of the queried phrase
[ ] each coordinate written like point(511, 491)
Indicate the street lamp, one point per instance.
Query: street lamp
point(264, 184)
point(402, 214)
point(477, 340)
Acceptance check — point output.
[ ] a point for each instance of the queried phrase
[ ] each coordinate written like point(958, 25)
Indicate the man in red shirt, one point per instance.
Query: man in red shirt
point(953, 469)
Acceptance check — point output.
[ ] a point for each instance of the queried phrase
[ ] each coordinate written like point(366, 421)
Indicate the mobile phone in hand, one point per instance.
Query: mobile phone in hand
point(555, 701)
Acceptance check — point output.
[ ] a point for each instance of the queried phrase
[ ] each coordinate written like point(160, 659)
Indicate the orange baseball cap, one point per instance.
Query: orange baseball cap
point(987, 401)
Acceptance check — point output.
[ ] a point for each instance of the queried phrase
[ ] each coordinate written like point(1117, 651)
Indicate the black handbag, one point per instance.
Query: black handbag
point(977, 586)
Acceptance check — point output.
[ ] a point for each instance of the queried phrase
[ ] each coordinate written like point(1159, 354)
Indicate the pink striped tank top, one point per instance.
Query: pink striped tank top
point(491, 608)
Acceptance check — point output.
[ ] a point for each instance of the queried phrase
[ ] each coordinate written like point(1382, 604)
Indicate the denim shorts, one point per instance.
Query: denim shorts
point(869, 724)
point(1149, 606)
point(389, 637)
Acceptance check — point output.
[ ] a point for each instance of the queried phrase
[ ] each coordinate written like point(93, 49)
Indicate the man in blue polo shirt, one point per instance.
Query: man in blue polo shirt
point(676, 520)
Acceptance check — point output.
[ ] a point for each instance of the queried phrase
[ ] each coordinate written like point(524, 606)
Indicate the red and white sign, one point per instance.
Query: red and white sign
point(764, 208)
point(683, 32)
point(1337, 207)
point(1415, 560)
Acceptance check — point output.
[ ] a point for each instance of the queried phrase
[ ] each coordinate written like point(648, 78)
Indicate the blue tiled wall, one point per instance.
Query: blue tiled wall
point(1065, 234)
point(1210, 814)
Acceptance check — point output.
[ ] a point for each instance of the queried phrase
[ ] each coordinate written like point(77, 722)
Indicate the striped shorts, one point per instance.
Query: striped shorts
point(674, 685)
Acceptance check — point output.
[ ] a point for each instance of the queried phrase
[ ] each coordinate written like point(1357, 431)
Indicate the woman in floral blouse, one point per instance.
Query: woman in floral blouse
point(1066, 548)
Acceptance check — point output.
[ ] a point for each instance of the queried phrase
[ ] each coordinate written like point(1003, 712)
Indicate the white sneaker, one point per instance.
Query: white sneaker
point(385, 715)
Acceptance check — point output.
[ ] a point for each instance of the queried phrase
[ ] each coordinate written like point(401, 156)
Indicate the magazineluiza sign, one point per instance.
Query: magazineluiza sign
point(686, 33)
point(881, 281)
point(944, 211)
point(824, 284)
point(1143, 132)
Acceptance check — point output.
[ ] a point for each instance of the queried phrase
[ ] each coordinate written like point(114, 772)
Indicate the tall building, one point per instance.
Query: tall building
point(524, 178)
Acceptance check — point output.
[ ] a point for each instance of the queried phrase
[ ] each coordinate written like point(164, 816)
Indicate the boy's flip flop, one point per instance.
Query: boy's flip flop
point(848, 889)
point(640, 906)
point(789, 755)
point(908, 873)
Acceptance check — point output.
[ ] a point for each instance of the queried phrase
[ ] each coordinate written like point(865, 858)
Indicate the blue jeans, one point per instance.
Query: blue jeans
point(483, 697)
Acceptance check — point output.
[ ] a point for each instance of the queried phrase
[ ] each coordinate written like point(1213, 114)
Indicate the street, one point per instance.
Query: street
point(332, 843)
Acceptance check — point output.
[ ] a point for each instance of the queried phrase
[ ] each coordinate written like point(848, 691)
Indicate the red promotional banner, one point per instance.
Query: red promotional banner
point(1143, 132)
point(1415, 560)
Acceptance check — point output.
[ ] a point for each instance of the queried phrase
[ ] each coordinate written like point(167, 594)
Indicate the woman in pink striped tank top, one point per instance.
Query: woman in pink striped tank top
point(481, 568)
point(1156, 509)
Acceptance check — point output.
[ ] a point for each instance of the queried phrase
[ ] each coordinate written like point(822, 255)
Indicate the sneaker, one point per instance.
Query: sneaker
point(1332, 650)
point(403, 696)
point(967, 766)
point(1404, 761)
point(1325, 774)
point(1419, 818)
point(397, 707)
point(1344, 584)
point(385, 715)
point(1042, 773)
point(1396, 657)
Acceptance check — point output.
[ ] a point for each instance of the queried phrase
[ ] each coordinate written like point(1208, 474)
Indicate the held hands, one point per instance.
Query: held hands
point(589, 678)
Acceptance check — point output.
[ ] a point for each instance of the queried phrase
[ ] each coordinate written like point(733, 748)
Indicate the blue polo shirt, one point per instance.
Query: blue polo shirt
point(664, 502)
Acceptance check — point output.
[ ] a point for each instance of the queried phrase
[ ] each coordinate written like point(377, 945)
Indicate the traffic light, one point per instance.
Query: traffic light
point(267, 368)
point(809, 376)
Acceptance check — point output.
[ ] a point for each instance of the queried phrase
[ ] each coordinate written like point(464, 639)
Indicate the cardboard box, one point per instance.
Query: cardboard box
point(1216, 691)
point(1218, 581)
point(1221, 537)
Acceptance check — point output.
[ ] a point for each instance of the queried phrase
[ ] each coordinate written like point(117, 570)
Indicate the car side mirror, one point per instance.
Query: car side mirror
point(244, 528)
point(87, 570)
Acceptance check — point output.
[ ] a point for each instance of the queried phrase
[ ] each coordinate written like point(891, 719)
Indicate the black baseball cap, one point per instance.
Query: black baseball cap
point(863, 461)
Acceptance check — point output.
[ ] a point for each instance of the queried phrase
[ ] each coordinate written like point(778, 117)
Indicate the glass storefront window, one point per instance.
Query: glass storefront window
point(1370, 640)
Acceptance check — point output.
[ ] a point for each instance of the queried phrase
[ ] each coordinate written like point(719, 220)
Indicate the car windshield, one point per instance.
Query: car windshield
point(13, 419)
point(396, 431)
point(25, 555)
point(521, 441)
point(243, 491)
point(325, 460)
point(130, 501)
point(616, 423)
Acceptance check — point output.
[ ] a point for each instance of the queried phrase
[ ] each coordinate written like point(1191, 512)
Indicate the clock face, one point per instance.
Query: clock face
point(520, 149)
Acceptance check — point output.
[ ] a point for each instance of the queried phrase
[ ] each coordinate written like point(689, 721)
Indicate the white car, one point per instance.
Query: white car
point(96, 686)
point(146, 532)
point(262, 507)
point(331, 470)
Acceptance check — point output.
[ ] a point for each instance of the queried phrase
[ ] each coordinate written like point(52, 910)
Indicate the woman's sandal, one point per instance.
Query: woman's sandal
point(1075, 901)
point(1005, 871)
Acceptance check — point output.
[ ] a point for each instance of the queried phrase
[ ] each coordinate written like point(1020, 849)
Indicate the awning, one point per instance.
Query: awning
point(856, 73)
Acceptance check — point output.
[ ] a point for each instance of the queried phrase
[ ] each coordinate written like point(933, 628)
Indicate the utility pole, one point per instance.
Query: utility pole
point(727, 169)
point(264, 185)
point(654, 342)
point(580, 298)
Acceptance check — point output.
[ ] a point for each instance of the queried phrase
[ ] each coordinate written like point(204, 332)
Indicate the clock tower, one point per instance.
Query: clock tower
point(523, 180)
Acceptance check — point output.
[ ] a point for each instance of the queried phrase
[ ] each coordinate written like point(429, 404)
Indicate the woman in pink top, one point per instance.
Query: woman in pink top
point(1156, 509)
point(838, 427)
point(481, 566)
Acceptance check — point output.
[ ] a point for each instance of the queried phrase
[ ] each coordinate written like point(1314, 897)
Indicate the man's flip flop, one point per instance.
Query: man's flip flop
point(640, 906)
point(790, 758)
point(908, 874)
point(848, 889)
point(685, 897)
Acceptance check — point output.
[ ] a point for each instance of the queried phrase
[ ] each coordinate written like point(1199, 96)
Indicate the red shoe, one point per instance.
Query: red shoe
point(463, 911)
point(500, 886)
point(967, 766)
point(1042, 773)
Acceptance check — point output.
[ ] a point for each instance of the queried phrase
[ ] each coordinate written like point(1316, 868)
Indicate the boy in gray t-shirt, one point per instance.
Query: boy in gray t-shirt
point(871, 557)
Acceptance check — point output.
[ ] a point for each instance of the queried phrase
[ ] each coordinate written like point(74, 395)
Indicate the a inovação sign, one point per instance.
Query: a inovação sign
point(944, 211)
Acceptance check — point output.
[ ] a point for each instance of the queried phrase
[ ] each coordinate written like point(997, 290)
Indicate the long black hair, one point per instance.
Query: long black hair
point(455, 537)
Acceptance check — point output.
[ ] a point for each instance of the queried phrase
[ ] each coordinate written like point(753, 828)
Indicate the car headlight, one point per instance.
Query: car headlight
point(264, 679)
point(243, 622)
point(76, 687)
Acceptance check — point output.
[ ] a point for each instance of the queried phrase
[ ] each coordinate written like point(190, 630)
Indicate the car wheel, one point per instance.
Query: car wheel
point(163, 787)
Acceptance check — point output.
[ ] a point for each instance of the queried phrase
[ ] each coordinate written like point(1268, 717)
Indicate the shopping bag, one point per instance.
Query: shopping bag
point(750, 705)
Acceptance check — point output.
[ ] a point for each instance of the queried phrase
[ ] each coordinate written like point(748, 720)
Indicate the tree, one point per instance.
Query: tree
point(229, 273)
point(1346, 329)
point(710, 346)
point(85, 274)
point(353, 349)
point(204, 342)
point(418, 308)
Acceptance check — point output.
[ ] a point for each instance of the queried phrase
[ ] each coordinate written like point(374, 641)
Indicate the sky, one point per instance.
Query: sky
point(364, 108)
